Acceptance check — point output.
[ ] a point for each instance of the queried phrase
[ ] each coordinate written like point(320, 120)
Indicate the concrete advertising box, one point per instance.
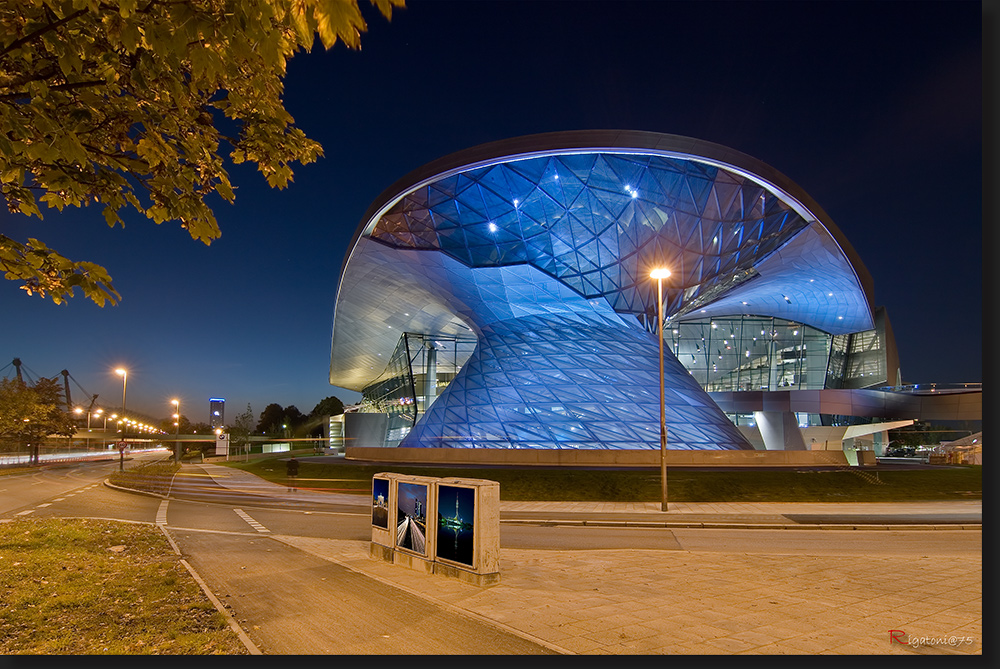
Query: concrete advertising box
point(460, 539)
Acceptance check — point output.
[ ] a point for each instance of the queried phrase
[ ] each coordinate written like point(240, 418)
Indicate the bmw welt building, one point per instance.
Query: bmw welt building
point(501, 298)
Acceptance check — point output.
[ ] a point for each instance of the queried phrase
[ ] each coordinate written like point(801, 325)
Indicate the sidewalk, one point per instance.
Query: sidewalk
point(676, 601)
point(965, 514)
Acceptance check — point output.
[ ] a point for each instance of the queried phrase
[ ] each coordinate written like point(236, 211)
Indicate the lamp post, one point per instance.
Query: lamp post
point(660, 274)
point(177, 429)
point(97, 414)
point(113, 417)
point(121, 446)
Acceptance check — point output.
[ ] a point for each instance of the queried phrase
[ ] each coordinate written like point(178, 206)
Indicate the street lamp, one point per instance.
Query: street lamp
point(177, 429)
point(660, 274)
point(113, 416)
point(79, 411)
point(121, 446)
point(97, 414)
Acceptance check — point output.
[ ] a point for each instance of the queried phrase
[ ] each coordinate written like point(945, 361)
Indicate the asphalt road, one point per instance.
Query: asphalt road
point(290, 601)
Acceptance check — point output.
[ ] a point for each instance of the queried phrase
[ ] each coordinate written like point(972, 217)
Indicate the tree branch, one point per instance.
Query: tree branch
point(41, 31)
point(57, 87)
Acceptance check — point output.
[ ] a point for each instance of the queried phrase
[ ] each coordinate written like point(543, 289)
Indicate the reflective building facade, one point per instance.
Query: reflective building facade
point(500, 297)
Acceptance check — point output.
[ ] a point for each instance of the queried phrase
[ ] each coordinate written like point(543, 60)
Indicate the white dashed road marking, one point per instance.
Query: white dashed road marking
point(24, 513)
point(42, 506)
point(253, 523)
point(161, 513)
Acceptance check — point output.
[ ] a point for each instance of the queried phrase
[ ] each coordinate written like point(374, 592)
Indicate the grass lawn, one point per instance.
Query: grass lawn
point(957, 482)
point(96, 587)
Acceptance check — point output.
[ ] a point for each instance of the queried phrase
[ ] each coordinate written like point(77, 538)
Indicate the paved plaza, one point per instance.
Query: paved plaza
point(628, 601)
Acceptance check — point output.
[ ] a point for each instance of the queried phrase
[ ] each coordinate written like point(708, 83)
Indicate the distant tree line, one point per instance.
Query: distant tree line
point(31, 413)
point(278, 421)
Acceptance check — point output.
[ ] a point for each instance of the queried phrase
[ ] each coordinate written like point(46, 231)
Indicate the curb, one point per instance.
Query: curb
point(552, 522)
point(219, 606)
point(742, 526)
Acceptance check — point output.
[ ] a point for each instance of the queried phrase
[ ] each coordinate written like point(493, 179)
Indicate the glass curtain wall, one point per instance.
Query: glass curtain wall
point(751, 353)
point(421, 367)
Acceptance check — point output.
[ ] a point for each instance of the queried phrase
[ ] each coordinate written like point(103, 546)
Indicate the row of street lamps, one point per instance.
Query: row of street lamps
point(659, 274)
point(124, 423)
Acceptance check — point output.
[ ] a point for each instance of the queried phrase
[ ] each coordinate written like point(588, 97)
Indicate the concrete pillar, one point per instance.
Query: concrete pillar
point(780, 430)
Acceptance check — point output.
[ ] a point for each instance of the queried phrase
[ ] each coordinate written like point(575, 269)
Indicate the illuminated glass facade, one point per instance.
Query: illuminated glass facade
point(535, 254)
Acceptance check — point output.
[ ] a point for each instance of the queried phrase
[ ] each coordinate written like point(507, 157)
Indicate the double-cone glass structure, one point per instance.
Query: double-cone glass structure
point(501, 297)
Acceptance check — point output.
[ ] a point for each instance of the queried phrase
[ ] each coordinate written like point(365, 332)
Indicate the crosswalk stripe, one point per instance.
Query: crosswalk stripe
point(251, 522)
point(161, 513)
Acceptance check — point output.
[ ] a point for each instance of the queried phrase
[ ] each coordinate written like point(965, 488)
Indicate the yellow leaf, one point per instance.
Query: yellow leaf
point(339, 19)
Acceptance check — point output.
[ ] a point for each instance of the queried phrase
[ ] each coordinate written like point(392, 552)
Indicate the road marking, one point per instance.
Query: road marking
point(250, 521)
point(58, 499)
point(161, 513)
point(24, 513)
point(176, 529)
point(42, 506)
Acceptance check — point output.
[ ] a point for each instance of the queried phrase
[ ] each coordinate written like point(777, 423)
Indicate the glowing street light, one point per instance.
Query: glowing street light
point(177, 429)
point(660, 274)
point(121, 446)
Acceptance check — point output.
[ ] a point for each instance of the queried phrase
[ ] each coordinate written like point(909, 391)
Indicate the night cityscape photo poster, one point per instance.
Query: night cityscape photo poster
point(411, 520)
point(456, 526)
point(380, 502)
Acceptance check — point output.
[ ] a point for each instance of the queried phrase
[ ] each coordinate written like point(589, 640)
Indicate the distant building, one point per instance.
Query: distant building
point(217, 412)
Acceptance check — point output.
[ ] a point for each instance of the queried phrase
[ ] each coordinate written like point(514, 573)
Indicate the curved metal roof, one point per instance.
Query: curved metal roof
point(595, 211)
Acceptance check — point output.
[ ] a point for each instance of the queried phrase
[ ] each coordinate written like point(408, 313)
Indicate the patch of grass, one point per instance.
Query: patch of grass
point(94, 587)
point(154, 477)
point(952, 482)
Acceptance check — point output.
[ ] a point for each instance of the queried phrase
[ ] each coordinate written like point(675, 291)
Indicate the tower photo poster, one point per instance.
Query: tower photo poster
point(456, 523)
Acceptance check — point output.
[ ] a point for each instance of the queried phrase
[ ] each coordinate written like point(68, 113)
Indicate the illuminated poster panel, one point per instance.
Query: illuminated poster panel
point(456, 523)
point(411, 519)
point(380, 502)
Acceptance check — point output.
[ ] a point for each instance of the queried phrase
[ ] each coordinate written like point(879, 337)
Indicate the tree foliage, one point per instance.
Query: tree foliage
point(128, 103)
point(242, 429)
point(31, 413)
point(276, 420)
point(330, 406)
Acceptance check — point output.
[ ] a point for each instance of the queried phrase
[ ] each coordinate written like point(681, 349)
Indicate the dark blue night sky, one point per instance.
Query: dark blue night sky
point(875, 109)
point(466, 497)
point(408, 494)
